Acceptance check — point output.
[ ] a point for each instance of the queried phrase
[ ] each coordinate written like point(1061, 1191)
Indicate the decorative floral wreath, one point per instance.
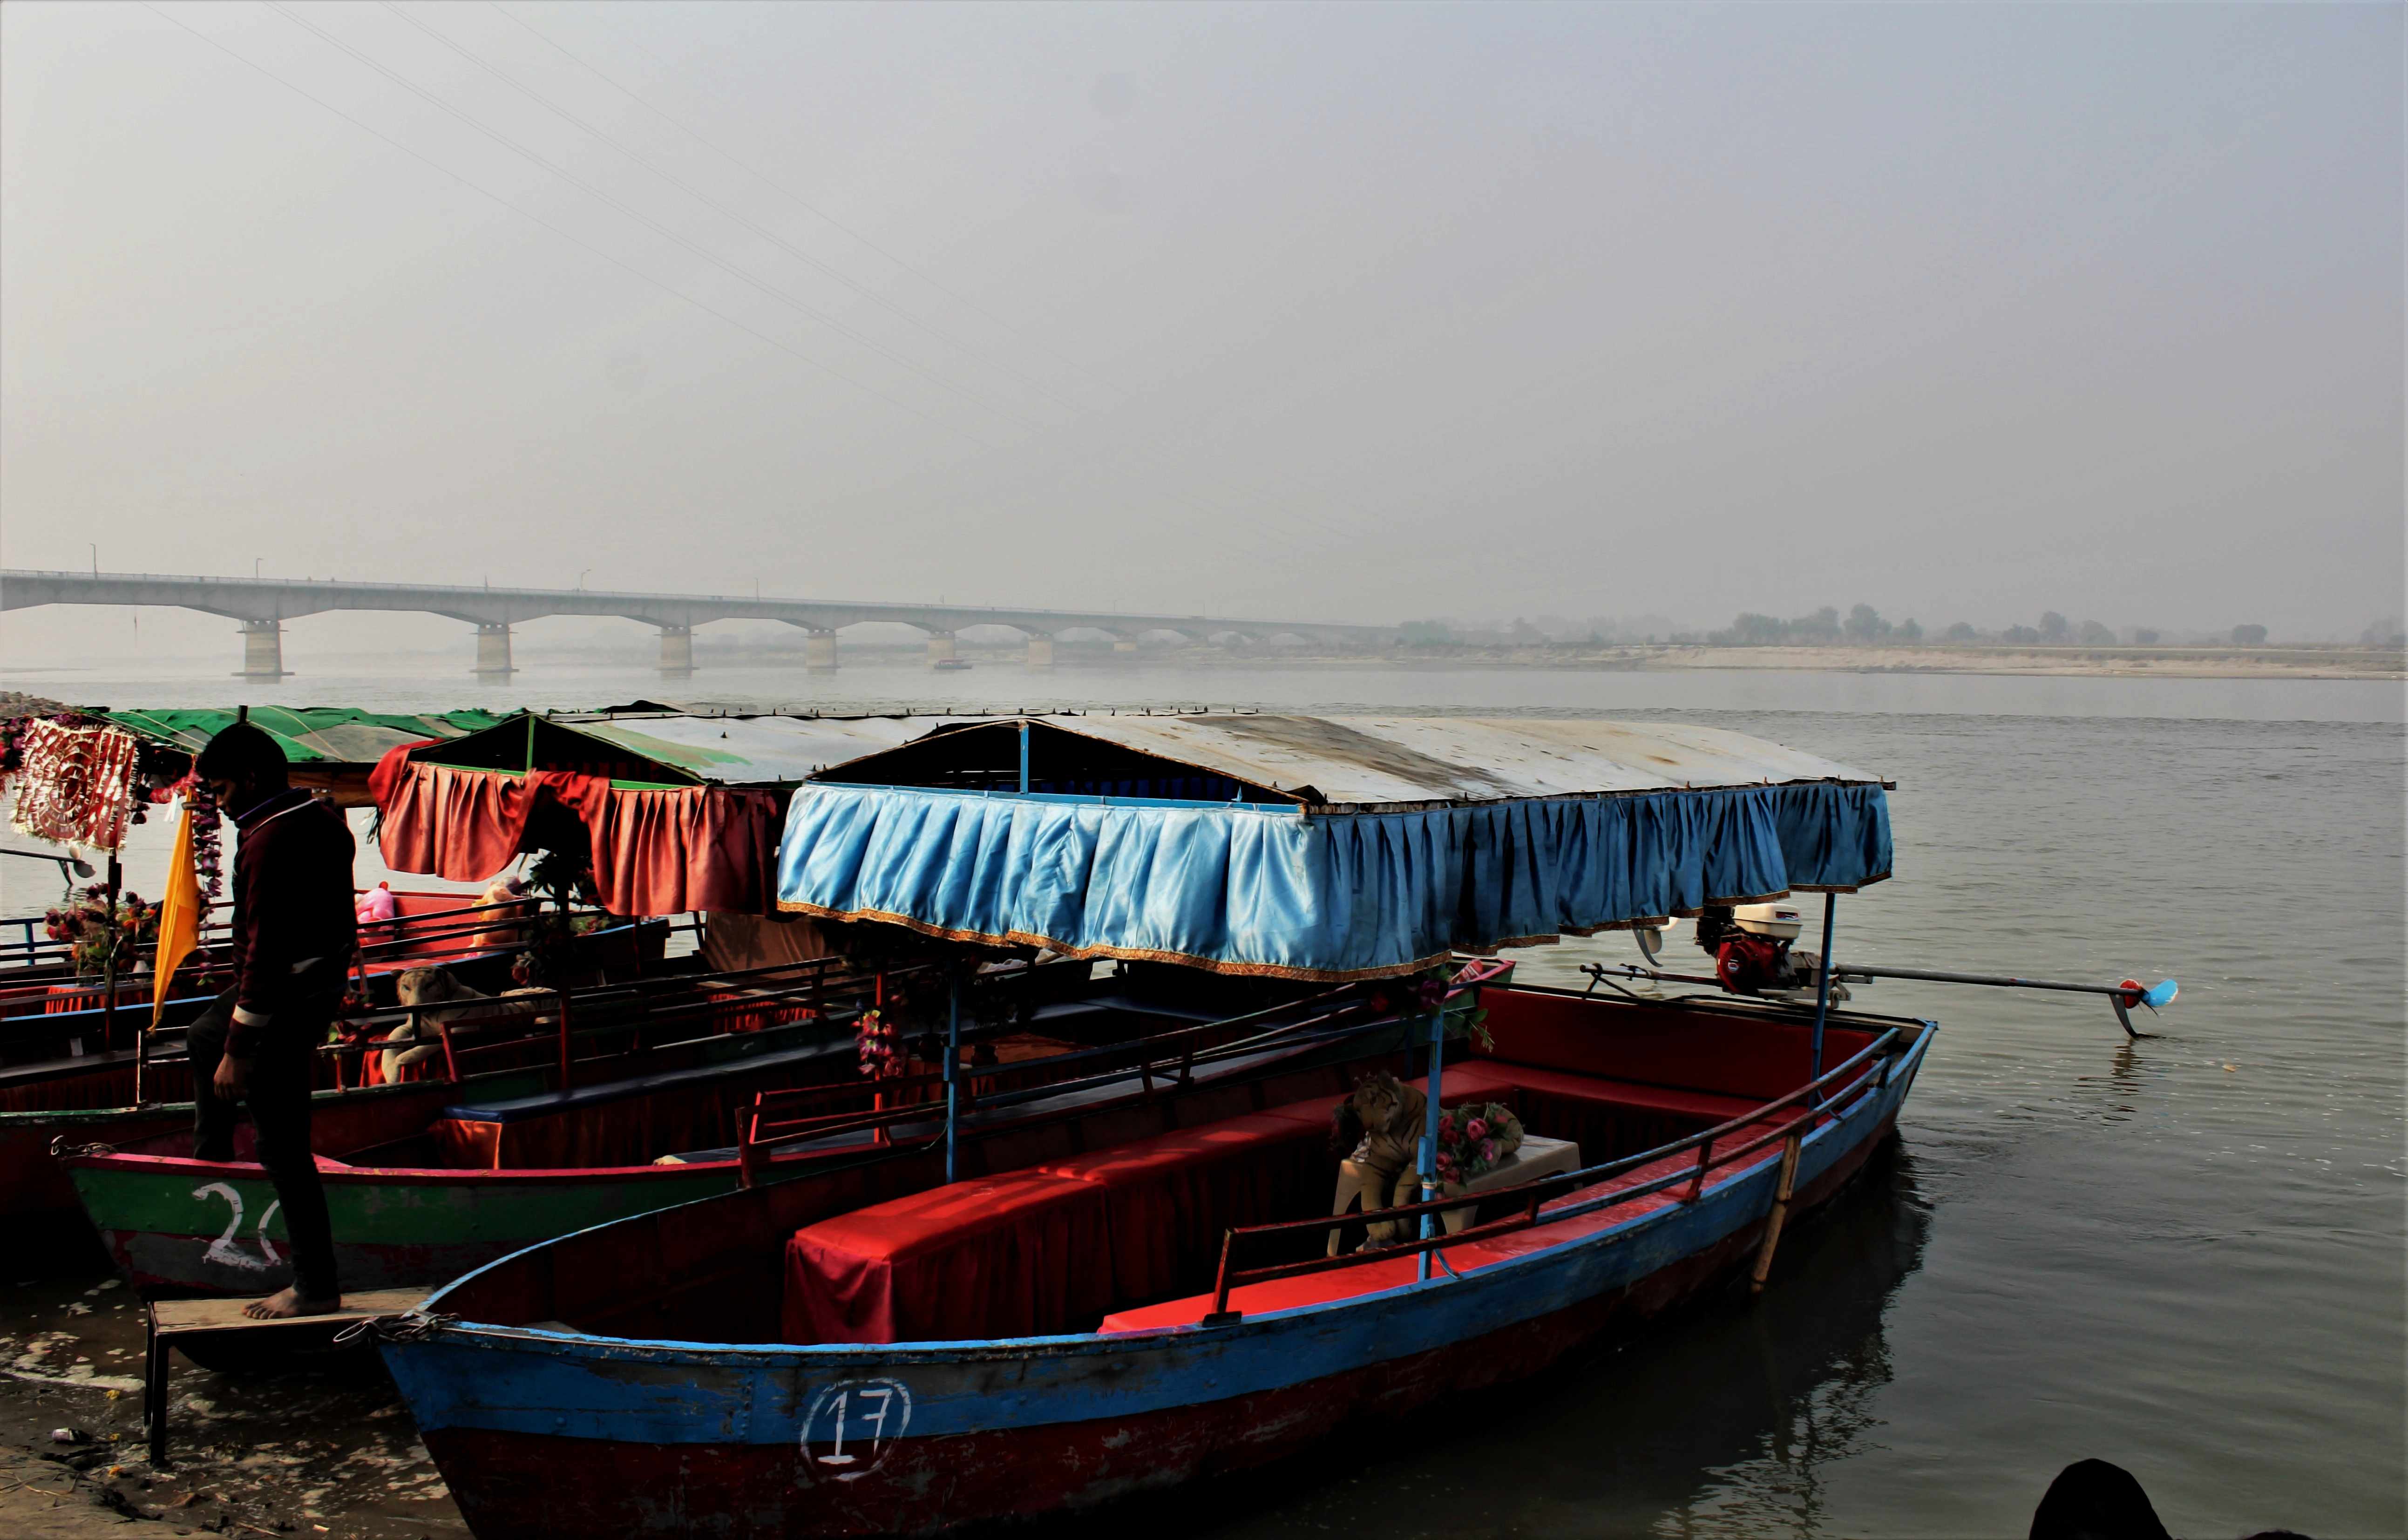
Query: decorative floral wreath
point(1475, 1138)
point(879, 1045)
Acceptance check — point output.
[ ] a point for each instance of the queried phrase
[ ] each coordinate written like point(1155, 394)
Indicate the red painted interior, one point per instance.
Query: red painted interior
point(965, 1263)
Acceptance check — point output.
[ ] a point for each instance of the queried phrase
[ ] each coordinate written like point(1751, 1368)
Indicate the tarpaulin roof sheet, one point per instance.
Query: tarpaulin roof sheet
point(1411, 837)
point(752, 750)
point(307, 734)
point(1379, 761)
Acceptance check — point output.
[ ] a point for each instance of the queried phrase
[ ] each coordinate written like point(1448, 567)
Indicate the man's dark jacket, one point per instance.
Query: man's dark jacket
point(294, 929)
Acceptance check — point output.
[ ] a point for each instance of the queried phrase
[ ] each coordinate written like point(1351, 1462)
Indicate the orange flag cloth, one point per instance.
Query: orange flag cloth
point(179, 915)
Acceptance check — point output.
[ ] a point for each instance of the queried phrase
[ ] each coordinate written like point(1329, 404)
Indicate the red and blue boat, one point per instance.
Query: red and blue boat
point(1145, 1291)
point(820, 1358)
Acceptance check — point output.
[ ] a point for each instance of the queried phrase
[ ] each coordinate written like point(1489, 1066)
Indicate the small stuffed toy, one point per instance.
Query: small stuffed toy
point(1380, 1126)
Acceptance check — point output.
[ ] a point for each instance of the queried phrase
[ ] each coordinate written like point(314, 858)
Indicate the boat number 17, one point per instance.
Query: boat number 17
point(851, 1424)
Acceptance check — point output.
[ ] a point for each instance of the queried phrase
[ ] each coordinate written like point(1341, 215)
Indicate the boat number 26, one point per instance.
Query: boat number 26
point(226, 1249)
point(852, 1425)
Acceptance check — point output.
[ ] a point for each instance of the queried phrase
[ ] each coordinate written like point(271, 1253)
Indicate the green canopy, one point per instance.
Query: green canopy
point(339, 735)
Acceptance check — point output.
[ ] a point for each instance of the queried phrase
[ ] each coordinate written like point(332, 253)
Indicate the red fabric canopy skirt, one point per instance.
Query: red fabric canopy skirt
point(693, 848)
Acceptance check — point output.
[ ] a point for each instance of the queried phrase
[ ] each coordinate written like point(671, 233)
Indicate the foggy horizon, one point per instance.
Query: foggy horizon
point(1303, 314)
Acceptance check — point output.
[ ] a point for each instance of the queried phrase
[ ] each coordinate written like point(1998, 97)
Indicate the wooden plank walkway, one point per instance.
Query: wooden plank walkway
point(174, 1322)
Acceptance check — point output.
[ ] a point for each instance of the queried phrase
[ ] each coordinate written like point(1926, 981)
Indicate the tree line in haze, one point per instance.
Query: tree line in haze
point(1862, 627)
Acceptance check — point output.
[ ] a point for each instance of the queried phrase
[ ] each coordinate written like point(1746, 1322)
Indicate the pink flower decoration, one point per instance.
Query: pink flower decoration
point(1476, 1129)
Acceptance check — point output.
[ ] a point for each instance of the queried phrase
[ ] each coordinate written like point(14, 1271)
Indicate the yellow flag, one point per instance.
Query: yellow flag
point(179, 915)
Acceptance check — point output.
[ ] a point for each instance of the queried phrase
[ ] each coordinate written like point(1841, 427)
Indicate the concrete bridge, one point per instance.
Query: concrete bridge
point(264, 604)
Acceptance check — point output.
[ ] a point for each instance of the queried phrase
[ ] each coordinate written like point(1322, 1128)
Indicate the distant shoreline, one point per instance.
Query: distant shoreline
point(2370, 663)
point(2238, 663)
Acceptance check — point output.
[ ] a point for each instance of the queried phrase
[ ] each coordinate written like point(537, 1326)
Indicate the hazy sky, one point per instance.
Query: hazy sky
point(1346, 313)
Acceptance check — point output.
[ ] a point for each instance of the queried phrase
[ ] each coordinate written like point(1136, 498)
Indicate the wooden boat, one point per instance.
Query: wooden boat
point(427, 1186)
point(1140, 1294)
point(805, 1358)
point(607, 1031)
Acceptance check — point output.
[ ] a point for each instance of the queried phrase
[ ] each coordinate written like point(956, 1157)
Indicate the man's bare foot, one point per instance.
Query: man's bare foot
point(287, 1302)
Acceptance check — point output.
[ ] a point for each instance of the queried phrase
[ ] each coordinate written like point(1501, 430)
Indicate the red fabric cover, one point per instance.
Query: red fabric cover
point(1370, 1277)
point(698, 848)
point(463, 826)
point(1010, 1256)
point(737, 1019)
point(1167, 1199)
point(654, 852)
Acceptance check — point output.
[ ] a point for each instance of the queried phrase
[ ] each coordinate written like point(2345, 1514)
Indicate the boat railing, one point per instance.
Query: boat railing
point(1170, 1058)
point(616, 1007)
point(591, 1013)
point(399, 931)
point(79, 1024)
point(1869, 1067)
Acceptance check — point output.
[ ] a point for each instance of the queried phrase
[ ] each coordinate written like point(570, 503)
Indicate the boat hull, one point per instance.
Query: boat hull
point(177, 1226)
point(200, 1227)
point(545, 1434)
point(39, 1194)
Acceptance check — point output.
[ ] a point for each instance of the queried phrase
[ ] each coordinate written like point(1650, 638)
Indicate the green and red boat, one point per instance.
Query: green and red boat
point(427, 1182)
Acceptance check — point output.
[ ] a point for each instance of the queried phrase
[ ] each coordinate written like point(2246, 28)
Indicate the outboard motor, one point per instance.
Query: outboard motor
point(1752, 942)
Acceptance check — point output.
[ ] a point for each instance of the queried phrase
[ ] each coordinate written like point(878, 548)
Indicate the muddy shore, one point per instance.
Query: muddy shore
point(329, 1452)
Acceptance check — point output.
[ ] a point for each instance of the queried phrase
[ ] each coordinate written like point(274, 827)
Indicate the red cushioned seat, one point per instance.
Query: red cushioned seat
point(1458, 1083)
point(1608, 1118)
point(1713, 1106)
point(1271, 1294)
point(1326, 1288)
point(1018, 1255)
point(1168, 1198)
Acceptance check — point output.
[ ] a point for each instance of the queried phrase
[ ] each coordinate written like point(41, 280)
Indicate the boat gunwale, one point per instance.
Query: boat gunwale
point(824, 1159)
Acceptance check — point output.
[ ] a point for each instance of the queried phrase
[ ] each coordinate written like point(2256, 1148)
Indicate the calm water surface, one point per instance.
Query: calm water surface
point(2184, 1256)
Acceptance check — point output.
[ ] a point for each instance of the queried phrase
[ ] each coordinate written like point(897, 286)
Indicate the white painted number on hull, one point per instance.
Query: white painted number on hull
point(223, 1248)
point(852, 1425)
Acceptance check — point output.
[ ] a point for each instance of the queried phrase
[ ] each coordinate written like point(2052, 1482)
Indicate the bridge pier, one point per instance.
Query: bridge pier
point(262, 649)
point(942, 647)
point(1124, 644)
point(677, 650)
point(494, 650)
point(819, 651)
point(1040, 649)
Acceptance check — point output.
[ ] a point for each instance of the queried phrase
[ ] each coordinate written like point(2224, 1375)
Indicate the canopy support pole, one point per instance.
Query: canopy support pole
point(1822, 995)
point(953, 1070)
point(108, 960)
point(1023, 758)
point(1429, 1132)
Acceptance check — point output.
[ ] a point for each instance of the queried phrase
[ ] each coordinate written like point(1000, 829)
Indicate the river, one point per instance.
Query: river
point(2184, 1255)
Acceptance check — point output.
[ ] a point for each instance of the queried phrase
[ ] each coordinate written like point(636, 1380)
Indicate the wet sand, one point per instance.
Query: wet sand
point(325, 1452)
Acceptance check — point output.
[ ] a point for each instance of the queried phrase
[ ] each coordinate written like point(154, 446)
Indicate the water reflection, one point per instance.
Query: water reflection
point(1722, 1419)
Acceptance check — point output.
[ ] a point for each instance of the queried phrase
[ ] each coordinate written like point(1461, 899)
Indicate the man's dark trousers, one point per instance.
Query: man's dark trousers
point(279, 1097)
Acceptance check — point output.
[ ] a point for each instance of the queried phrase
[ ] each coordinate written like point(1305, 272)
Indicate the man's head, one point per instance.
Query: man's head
point(242, 765)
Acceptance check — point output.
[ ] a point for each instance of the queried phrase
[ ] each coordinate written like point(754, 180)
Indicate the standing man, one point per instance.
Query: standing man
point(294, 935)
